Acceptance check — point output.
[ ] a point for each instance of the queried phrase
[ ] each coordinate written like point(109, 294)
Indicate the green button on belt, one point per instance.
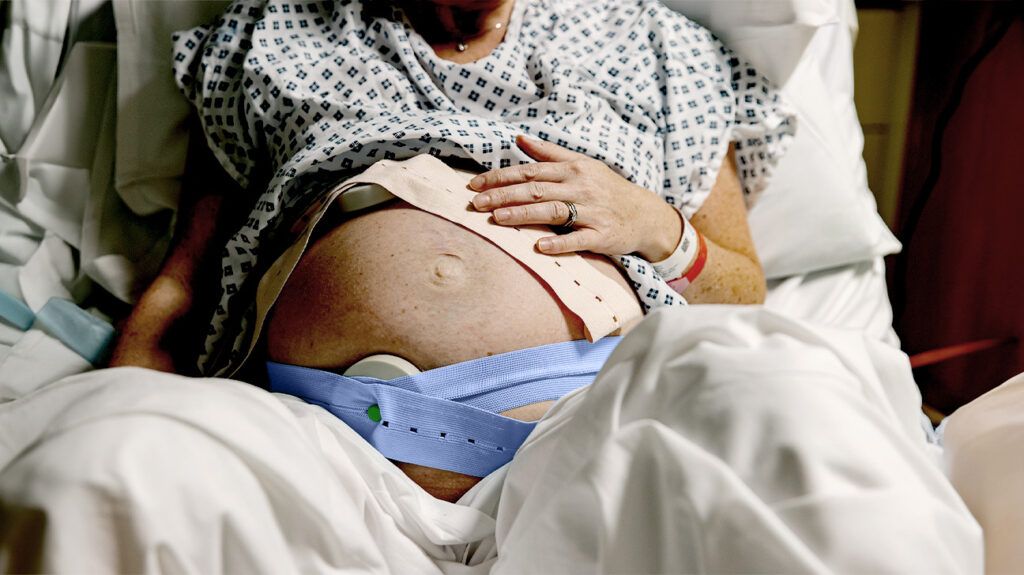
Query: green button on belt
point(373, 412)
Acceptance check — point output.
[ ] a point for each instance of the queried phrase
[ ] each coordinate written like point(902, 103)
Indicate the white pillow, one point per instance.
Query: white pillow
point(771, 34)
point(816, 213)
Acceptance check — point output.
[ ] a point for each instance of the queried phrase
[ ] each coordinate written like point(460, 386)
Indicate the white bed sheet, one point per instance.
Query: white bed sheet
point(716, 439)
point(853, 297)
point(64, 231)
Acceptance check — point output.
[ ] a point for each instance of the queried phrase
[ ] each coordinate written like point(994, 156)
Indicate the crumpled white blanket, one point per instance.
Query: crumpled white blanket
point(716, 439)
point(65, 231)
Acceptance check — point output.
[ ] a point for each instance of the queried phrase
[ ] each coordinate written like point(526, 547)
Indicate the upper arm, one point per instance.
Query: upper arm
point(203, 214)
point(157, 333)
point(722, 218)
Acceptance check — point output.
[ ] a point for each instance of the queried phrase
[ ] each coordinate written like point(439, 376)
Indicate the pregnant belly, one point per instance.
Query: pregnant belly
point(402, 281)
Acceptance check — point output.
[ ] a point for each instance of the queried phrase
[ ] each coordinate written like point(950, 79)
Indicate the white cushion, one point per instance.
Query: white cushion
point(817, 211)
point(771, 34)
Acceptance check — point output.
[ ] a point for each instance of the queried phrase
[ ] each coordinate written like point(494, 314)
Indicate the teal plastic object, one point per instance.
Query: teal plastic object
point(87, 335)
point(15, 312)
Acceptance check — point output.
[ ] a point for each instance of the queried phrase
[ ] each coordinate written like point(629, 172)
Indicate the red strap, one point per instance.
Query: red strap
point(681, 283)
point(953, 351)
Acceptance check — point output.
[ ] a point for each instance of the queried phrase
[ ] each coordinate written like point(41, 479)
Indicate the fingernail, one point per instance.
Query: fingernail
point(476, 182)
point(545, 244)
point(501, 215)
point(481, 201)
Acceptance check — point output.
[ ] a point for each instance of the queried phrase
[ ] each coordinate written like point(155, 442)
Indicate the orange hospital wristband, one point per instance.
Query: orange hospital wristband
point(681, 283)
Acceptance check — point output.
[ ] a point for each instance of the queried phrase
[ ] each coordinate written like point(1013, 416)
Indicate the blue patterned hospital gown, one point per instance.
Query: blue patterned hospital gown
point(296, 95)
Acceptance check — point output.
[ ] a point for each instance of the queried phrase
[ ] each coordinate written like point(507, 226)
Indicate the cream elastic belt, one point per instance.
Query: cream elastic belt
point(602, 305)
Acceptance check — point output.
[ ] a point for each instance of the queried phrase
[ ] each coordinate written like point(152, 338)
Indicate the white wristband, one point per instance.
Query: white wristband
point(680, 260)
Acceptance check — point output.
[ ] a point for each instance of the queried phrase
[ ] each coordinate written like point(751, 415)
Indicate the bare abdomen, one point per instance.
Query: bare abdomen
point(402, 281)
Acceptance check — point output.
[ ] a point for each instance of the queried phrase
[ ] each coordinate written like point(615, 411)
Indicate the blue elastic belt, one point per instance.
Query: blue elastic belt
point(447, 418)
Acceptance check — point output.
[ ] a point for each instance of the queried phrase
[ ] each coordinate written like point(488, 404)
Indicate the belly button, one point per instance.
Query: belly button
point(448, 270)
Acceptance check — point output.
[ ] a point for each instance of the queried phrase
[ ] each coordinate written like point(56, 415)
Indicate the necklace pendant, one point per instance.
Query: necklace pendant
point(460, 46)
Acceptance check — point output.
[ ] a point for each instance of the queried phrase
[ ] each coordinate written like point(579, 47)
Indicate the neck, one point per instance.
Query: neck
point(452, 21)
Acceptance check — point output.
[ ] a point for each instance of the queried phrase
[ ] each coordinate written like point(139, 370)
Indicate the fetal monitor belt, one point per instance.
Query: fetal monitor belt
point(448, 418)
point(432, 186)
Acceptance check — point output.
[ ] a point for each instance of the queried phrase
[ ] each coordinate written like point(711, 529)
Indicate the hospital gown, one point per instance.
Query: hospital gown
point(295, 95)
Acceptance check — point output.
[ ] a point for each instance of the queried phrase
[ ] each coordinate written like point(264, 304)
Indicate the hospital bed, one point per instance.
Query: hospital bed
point(89, 185)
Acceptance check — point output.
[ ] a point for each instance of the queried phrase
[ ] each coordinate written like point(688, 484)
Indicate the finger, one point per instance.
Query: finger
point(582, 240)
point(546, 151)
point(549, 213)
point(519, 194)
point(535, 172)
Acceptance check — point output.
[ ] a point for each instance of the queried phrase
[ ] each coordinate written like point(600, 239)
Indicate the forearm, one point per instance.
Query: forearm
point(159, 333)
point(728, 278)
point(146, 338)
point(732, 272)
point(163, 328)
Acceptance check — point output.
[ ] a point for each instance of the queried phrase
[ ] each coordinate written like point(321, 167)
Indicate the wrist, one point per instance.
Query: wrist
point(696, 266)
point(170, 294)
point(162, 305)
point(668, 232)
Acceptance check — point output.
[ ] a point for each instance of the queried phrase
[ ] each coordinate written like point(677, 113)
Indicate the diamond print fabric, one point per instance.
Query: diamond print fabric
point(295, 96)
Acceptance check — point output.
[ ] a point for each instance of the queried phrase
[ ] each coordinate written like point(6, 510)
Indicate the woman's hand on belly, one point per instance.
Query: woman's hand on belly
point(618, 217)
point(615, 216)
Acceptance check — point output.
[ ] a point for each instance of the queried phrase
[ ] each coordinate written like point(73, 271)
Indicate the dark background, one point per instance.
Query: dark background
point(960, 213)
